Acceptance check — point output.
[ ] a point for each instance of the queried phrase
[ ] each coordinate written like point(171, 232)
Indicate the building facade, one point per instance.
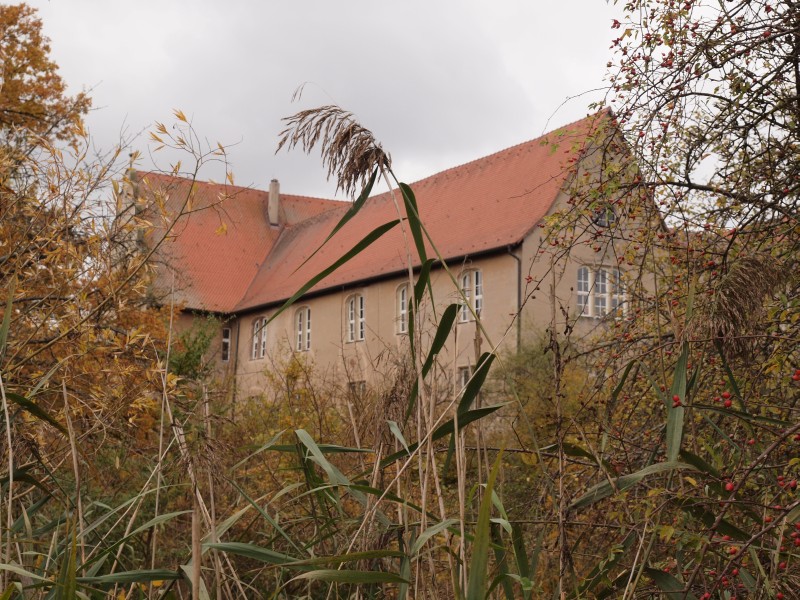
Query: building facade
point(239, 254)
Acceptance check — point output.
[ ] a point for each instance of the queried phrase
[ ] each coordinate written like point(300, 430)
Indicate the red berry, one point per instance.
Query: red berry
point(779, 596)
point(729, 486)
point(726, 395)
point(782, 565)
point(734, 572)
point(728, 403)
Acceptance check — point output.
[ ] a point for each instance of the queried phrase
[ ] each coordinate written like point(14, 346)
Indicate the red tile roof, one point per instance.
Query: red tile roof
point(217, 248)
point(481, 206)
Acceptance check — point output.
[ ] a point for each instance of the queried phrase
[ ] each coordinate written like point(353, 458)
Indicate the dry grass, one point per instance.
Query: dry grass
point(737, 308)
point(349, 151)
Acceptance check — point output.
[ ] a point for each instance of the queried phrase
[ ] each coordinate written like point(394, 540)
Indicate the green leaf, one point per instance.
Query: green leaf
point(476, 585)
point(395, 429)
point(601, 571)
point(34, 409)
point(604, 489)
point(353, 577)
point(675, 414)
point(66, 583)
point(351, 212)
point(476, 381)
point(414, 222)
point(7, 317)
point(429, 533)
point(371, 237)
point(335, 475)
point(343, 558)
point(443, 330)
point(444, 430)
point(668, 584)
point(252, 551)
point(141, 576)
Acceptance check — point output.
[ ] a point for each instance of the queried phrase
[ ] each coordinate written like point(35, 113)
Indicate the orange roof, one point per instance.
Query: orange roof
point(481, 206)
point(217, 248)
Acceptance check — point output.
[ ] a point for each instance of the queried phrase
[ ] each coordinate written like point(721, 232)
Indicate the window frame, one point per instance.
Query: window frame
point(356, 318)
point(472, 295)
point(600, 292)
point(225, 346)
point(302, 329)
point(402, 309)
point(258, 341)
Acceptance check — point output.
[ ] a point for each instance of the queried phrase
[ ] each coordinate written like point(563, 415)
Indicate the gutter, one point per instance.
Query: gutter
point(510, 250)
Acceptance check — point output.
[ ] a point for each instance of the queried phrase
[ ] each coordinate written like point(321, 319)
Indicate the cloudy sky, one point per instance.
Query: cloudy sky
point(439, 82)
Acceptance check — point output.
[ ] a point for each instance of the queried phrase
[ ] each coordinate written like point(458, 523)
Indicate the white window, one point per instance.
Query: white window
point(303, 329)
point(356, 321)
point(583, 291)
point(472, 290)
point(259, 345)
point(600, 291)
point(226, 344)
point(402, 309)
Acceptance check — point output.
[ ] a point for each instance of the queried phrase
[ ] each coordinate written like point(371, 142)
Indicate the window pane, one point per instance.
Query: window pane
point(361, 324)
point(600, 293)
point(308, 329)
point(478, 292)
point(402, 309)
point(226, 344)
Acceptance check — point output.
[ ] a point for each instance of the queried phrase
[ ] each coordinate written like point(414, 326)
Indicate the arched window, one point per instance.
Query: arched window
point(472, 289)
point(402, 308)
point(259, 340)
point(356, 323)
point(302, 322)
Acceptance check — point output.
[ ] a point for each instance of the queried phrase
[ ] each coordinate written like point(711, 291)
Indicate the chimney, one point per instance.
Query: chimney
point(274, 203)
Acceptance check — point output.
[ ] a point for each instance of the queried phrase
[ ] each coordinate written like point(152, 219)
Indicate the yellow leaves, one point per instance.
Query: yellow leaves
point(222, 229)
point(179, 115)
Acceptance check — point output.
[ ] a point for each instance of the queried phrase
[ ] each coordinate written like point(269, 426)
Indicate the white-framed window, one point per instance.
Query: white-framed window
point(402, 308)
point(226, 344)
point(472, 290)
point(600, 292)
point(259, 341)
point(302, 323)
point(356, 318)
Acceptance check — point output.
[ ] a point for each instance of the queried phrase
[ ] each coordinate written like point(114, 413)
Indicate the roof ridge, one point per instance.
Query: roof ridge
point(529, 142)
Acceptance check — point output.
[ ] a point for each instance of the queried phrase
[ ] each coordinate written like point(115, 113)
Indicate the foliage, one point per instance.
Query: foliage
point(189, 355)
point(34, 104)
point(659, 456)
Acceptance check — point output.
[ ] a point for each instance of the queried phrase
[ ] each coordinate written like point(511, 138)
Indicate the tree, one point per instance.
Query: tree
point(700, 382)
point(32, 97)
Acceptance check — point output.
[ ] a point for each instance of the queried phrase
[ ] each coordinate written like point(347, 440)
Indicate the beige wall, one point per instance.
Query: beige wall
point(373, 359)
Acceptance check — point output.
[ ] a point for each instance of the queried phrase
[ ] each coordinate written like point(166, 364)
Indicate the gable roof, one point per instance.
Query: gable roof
point(478, 207)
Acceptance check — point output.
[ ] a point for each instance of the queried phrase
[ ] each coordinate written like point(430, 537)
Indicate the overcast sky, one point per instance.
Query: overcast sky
point(439, 82)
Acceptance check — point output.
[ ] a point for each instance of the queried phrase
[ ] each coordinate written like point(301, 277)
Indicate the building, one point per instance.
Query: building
point(241, 253)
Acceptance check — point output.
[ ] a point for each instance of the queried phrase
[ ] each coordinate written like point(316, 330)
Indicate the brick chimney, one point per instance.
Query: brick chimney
point(274, 203)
